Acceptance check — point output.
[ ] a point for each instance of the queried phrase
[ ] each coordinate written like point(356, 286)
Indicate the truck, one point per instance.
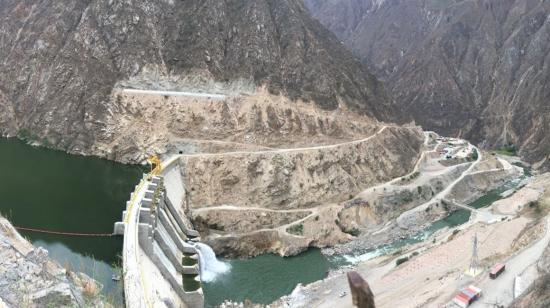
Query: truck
point(467, 296)
point(497, 270)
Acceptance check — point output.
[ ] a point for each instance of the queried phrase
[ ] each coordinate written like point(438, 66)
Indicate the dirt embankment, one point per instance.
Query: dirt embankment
point(538, 295)
point(533, 196)
point(411, 201)
point(261, 151)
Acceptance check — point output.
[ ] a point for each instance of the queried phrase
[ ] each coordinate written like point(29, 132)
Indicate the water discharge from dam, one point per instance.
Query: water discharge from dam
point(265, 278)
point(53, 190)
point(210, 266)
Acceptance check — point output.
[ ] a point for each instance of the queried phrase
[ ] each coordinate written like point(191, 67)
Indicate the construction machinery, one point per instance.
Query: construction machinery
point(155, 163)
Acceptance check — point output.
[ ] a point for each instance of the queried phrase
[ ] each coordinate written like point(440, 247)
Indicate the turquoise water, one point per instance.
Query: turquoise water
point(265, 278)
point(526, 170)
point(454, 219)
point(52, 190)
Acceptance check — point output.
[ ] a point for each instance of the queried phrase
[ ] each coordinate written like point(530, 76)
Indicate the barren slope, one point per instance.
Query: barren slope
point(285, 200)
point(62, 59)
point(473, 68)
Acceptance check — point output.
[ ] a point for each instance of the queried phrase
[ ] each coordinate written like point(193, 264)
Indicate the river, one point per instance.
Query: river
point(266, 278)
point(52, 190)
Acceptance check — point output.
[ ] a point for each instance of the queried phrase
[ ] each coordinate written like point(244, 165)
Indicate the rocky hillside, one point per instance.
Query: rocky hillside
point(29, 278)
point(474, 68)
point(538, 294)
point(62, 59)
point(284, 201)
point(249, 122)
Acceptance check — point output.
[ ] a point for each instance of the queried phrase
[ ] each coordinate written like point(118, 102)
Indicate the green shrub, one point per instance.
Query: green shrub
point(474, 155)
point(296, 229)
point(509, 150)
point(354, 232)
point(401, 261)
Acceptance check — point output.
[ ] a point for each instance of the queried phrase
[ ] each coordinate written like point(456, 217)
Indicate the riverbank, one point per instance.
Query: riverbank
point(433, 269)
point(277, 275)
point(430, 206)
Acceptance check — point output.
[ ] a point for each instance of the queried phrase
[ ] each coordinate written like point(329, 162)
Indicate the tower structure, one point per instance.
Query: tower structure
point(474, 268)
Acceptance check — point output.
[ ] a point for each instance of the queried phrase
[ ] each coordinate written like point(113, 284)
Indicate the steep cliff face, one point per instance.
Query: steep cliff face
point(191, 125)
point(474, 68)
point(62, 59)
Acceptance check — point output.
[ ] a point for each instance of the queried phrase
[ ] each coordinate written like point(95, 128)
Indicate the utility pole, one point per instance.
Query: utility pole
point(474, 263)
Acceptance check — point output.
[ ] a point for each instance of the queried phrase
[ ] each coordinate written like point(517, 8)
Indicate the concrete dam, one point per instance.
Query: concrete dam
point(163, 260)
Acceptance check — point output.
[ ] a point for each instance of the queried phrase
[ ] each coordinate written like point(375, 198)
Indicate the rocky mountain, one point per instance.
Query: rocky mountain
point(474, 68)
point(61, 60)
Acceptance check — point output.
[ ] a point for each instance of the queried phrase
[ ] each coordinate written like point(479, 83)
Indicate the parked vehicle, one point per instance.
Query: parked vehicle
point(467, 296)
point(497, 270)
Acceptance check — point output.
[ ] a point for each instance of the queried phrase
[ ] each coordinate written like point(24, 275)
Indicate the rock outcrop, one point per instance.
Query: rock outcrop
point(62, 59)
point(472, 68)
point(29, 278)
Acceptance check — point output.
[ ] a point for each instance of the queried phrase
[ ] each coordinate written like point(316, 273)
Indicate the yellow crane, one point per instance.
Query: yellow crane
point(156, 166)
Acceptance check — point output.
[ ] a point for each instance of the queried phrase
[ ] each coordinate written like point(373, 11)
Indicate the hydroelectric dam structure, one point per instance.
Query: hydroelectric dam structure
point(161, 252)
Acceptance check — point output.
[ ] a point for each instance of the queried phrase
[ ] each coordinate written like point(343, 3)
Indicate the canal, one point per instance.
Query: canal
point(55, 191)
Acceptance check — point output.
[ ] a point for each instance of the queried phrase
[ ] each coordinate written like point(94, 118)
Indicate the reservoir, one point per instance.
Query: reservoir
point(51, 190)
point(54, 191)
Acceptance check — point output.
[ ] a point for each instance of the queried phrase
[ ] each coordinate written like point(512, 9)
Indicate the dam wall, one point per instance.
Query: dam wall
point(160, 257)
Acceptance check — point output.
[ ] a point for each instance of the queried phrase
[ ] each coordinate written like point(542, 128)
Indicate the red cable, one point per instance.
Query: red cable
point(65, 233)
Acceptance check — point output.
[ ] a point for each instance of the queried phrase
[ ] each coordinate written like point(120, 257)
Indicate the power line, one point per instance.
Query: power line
point(65, 233)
